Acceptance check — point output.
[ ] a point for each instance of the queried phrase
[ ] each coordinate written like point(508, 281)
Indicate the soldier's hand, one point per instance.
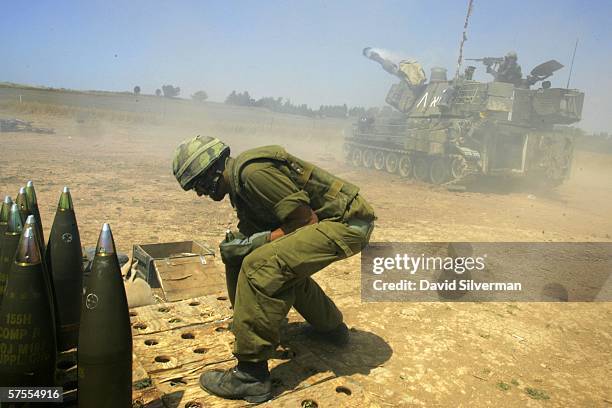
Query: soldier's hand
point(234, 250)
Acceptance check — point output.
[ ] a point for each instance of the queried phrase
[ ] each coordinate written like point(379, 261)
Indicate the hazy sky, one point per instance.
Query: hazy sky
point(308, 51)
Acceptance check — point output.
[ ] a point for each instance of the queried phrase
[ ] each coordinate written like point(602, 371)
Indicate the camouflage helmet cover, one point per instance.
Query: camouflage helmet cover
point(512, 55)
point(194, 156)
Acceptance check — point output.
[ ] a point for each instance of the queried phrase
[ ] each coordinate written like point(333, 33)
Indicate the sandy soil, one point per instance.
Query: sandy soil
point(404, 354)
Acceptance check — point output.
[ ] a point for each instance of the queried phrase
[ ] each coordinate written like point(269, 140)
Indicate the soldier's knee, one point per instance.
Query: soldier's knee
point(255, 259)
point(262, 269)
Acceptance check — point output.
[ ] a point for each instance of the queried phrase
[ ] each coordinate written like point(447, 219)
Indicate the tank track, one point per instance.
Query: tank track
point(447, 170)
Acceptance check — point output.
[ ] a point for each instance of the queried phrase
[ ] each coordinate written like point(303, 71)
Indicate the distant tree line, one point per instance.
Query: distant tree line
point(278, 104)
point(284, 105)
point(169, 91)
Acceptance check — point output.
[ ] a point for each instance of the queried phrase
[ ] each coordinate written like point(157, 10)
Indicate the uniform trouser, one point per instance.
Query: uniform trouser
point(276, 276)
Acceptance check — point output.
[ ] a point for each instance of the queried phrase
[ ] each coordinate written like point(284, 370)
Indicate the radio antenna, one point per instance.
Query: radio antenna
point(464, 36)
point(572, 65)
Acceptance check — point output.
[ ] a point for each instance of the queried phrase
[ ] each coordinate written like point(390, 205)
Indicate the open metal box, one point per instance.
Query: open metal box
point(180, 270)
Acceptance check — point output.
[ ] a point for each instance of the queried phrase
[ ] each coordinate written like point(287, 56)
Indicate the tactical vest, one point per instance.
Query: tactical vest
point(330, 196)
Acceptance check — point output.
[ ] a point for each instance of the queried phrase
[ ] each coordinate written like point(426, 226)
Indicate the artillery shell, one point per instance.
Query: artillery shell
point(4, 214)
point(65, 260)
point(31, 223)
point(32, 202)
point(105, 337)
point(27, 327)
point(22, 202)
point(8, 245)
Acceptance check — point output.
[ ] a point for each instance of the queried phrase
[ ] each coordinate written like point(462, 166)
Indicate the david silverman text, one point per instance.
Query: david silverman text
point(464, 284)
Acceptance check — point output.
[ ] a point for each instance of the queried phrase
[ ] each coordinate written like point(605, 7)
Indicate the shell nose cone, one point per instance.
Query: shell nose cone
point(14, 222)
point(5, 209)
point(22, 199)
point(27, 250)
point(31, 193)
point(106, 244)
point(30, 221)
point(65, 201)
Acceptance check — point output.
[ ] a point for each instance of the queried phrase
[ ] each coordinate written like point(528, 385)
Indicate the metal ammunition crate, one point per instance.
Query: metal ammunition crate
point(179, 270)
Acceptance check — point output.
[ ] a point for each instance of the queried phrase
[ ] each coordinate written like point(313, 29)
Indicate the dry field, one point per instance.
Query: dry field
point(118, 166)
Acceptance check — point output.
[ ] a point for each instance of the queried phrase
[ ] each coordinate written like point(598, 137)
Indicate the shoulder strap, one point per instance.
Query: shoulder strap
point(301, 169)
point(273, 152)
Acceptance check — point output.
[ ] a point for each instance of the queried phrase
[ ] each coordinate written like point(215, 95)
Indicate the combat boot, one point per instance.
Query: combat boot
point(339, 336)
point(247, 381)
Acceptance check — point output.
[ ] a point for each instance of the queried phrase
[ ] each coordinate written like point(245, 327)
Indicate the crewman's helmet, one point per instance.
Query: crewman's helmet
point(512, 55)
point(192, 158)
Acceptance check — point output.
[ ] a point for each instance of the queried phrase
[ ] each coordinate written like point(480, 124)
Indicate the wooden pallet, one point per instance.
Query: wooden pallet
point(175, 342)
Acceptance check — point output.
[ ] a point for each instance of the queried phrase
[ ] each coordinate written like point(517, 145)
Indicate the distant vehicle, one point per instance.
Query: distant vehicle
point(17, 125)
point(445, 131)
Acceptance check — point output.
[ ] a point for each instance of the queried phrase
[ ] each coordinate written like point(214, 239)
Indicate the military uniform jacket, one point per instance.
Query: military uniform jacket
point(267, 184)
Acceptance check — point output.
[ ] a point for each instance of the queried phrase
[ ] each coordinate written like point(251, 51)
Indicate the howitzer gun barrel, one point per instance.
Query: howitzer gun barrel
point(387, 64)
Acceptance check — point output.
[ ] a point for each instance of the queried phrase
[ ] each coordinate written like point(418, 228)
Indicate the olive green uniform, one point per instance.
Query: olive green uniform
point(266, 185)
point(510, 72)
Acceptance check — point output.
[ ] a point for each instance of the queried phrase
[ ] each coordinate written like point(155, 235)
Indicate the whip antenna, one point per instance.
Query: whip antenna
point(572, 65)
point(464, 37)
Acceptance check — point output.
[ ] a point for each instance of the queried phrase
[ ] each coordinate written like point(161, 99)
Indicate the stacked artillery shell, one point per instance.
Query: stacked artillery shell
point(22, 202)
point(65, 259)
point(32, 203)
point(31, 223)
point(8, 245)
point(105, 337)
point(4, 215)
point(27, 327)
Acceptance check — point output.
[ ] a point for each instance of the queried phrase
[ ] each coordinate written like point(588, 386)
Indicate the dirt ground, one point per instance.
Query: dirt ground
point(414, 354)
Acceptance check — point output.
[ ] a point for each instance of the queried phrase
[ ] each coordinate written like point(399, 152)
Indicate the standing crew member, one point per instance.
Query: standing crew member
point(509, 70)
point(294, 220)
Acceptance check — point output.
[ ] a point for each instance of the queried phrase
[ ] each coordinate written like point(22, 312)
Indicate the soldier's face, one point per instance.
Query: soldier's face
point(212, 186)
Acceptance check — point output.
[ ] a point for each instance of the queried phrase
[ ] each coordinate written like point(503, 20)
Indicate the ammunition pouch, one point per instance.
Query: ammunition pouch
point(365, 228)
point(234, 251)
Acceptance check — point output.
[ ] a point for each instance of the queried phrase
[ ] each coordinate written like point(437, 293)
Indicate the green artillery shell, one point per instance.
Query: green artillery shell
point(22, 202)
point(32, 202)
point(4, 215)
point(65, 259)
point(31, 223)
point(27, 326)
point(105, 337)
point(8, 245)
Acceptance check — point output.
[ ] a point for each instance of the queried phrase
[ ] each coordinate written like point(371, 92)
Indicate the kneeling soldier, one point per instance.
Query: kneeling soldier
point(294, 220)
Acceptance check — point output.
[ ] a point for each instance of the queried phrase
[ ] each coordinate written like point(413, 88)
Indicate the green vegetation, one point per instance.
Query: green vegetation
point(200, 96)
point(284, 105)
point(503, 386)
point(536, 394)
point(171, 91)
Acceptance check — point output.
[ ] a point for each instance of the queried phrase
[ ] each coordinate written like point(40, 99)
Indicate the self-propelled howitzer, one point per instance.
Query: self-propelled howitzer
point(446, 130)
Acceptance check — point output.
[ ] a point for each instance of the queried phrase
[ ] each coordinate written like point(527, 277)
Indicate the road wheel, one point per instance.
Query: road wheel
point(404, 167)
point(457, 168)
point(420, 169)
point(347, 152)
point(379, 160)
point(391, 162)
point(438, 170)
point(368, 158)
point(356, 157)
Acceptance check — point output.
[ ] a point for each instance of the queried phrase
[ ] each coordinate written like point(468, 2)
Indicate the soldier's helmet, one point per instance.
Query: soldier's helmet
point(193, 157)
point(512, 55)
